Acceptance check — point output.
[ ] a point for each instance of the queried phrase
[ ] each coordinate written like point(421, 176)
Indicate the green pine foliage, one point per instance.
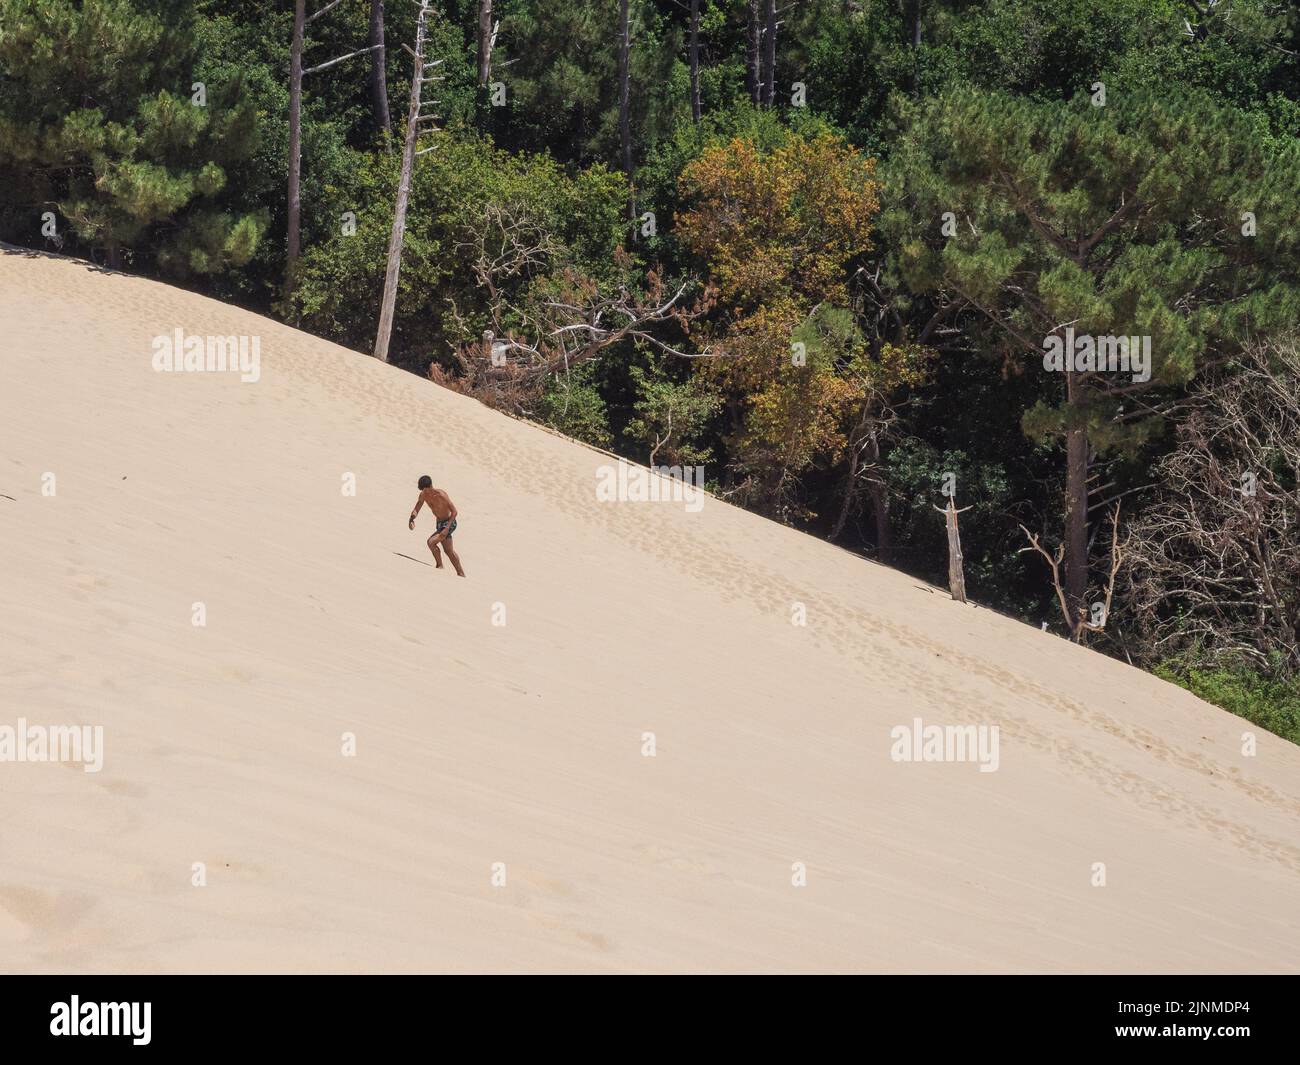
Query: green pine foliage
point(101, 121)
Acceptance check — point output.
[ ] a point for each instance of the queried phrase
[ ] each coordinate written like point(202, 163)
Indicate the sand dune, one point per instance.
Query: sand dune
point(522, 743)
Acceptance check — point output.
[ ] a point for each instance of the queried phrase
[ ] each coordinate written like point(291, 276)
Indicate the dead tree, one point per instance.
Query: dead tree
point(1077, 622)
point(534, 336)
point(1215, 554)
point(1116, 560)
point(956, 567)
point(487, 39)
point(296, 74)
point(417, 122)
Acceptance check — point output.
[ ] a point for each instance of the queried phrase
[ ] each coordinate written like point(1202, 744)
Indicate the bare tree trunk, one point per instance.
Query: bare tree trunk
point(295, 145)
point(879, 502)
point(378, 68)
point(879, 512)
point(624, 88)
point(956, 567)
point(695, 60)
point(864, 453)
point(850, 490)
point(769, 56)
point(485, 39)
point(1076, 512)
point(398, 234)
point(753, 62)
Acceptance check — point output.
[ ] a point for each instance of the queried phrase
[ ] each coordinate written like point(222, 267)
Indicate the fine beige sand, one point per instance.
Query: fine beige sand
point(522, 743)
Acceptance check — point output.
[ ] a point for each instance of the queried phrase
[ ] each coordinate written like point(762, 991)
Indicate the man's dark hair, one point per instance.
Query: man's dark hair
point(425, 482)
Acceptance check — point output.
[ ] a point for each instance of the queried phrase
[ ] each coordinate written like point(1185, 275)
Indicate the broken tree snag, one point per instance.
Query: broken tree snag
point(1054, 561)
point(956, 569)
point(1076, 621)
point(1116, 560)
point(956, 573)
point(413, 121)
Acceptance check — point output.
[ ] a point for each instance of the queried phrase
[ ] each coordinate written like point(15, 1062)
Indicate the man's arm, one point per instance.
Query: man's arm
point(419, 502)
point(452, 505)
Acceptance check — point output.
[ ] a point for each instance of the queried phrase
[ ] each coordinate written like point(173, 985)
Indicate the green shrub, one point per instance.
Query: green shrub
point(1262, 700)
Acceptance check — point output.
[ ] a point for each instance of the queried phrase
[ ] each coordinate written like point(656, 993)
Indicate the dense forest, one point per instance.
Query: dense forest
point(857, 259)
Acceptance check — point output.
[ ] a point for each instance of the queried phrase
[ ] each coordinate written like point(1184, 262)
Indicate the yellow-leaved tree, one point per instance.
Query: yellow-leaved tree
point(780, 233)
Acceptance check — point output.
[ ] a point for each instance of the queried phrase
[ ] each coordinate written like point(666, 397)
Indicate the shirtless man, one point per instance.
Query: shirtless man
point(444, 510)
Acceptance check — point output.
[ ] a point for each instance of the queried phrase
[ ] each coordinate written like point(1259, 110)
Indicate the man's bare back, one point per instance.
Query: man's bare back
point(445, 513)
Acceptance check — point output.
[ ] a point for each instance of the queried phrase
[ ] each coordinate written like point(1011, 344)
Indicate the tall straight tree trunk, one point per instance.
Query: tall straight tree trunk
point(378, 68)
point(397, 237)
point(753, 52)
point(850, 494)
point(624, 88)
point(484, 42)
point(1076, 511)
point(769, 56)
point(695, 60)
point(295, 145)
point(879, 504)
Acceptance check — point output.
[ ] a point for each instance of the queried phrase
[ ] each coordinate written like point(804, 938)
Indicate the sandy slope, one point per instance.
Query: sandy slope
point(480, 743)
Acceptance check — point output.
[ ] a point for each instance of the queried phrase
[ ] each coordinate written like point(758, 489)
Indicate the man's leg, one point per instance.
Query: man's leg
point(455, 558)
point(433, 546)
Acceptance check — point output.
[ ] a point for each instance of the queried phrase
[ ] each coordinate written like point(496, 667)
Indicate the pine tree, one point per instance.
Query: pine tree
point(102, 120)
point(1158, 216)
